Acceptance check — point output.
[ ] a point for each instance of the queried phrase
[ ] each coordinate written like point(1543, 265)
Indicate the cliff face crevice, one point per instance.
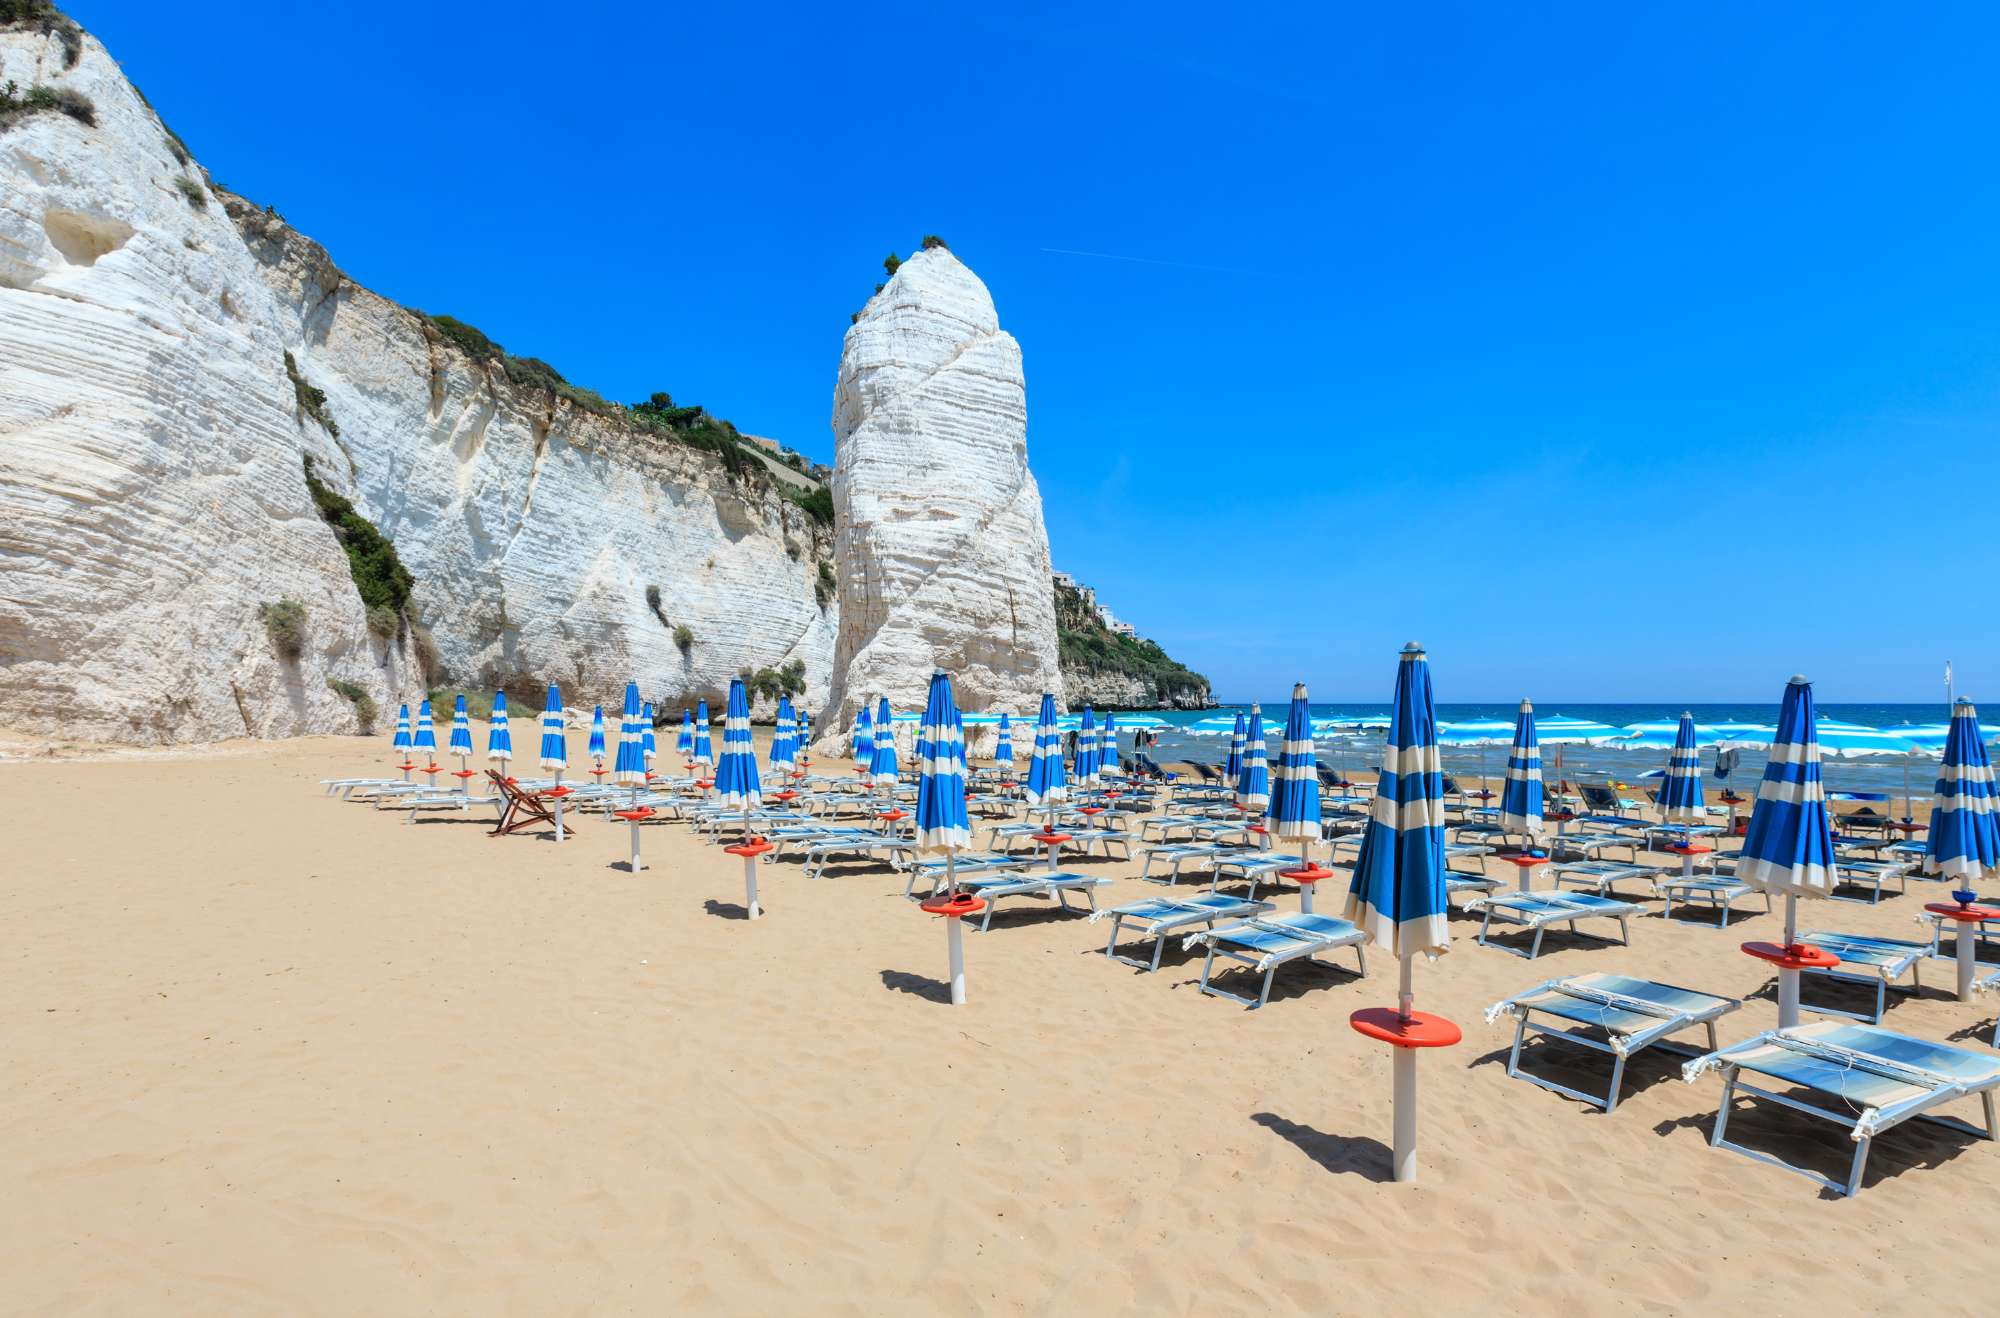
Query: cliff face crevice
point(152, 496)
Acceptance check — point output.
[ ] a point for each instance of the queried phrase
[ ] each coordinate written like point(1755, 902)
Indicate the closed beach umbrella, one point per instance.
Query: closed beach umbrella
point(649, 745)
point(1788, 847)
point(941, 825)
point(1965, 830)
point(1521, 794)
point(1084, 772)
point(499, 737)
point(629, 769)
point(461, 731)
point(1295, 793)
point(1253, 787)
point(1232, 768)
point(1397, 897)
point(404, 741)
point(426, 734)
point(1680, 795)
point(1003, 750)
point(596, 746)
point(736, 782)
point(864, 739)
point(784, 738)
point(1045, 770)
point(685, 742)
point(1107, 747)
point(704, 750)
point(555, 747)
point(882, 770)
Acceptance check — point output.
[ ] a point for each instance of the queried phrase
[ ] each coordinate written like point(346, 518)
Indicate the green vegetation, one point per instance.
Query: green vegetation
point(653, 603)
point(817, 501)
point(193, 191)
point(379, 576)
point(478, 704)
point(364, 705)
point(383, 620)
point(932, 242)
point(892, 263)
point(1085, 643)
point(683, 637)
point(285, 623)
point(17, 105)
point(824, 588)
point(45, 18)
point(311, 400)
point(775, 682)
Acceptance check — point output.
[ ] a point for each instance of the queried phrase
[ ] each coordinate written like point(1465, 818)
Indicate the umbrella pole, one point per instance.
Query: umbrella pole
point(1788, 977)
point(1906, 790)
point(1405, 1083)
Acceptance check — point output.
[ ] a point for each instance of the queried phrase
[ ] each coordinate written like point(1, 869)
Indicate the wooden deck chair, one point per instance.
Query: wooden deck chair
point(523, 809)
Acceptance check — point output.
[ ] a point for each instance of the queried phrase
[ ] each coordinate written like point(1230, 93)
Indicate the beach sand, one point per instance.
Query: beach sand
point(270, 1053)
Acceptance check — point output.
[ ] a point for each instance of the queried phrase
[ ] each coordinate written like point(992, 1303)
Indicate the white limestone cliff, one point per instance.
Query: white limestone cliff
point(941, 554)
point(152, 495)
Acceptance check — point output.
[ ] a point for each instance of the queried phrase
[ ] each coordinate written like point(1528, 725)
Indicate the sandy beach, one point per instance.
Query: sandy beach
point(271, 1053)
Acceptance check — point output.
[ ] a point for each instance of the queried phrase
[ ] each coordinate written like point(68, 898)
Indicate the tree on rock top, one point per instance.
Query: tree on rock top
point(932, 242)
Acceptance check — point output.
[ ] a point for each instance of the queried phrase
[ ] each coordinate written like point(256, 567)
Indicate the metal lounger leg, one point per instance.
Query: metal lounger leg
point(1264, 994)
point(1716, 1136)
point(1617, 1079)
point(1859, 1165)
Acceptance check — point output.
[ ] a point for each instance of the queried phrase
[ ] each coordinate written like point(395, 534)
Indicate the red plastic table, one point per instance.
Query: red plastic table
point(1790, 961)
point(1687, 851)
point(750, 849)
point(1306, 876)
point(1524, 864)
point(634, 817)
point(1969, 914)
point(1406, 1035)
point(954, 906)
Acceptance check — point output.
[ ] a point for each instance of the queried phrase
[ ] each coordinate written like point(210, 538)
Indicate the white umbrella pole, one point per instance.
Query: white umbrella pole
point(1788, 977)
point(1306, 889)
point(464, 783)
point(636, 866)
point(1405, 1069)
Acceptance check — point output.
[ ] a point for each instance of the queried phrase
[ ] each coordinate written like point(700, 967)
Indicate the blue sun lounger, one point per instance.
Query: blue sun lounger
point(1175, 854)
point(1159, 918)
point(1599, 876)
point(1876, 1078)
point(1718, 892)
point(1536, 911)
point(993, 888)
point(976, 862)
point(1613, 1014)
point(1269, 941)
point(1889, 958)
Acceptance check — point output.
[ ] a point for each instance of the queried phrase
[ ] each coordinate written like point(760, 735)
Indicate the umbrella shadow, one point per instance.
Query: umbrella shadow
point(727, 910)
point(1342, 1155)
point(920, 986)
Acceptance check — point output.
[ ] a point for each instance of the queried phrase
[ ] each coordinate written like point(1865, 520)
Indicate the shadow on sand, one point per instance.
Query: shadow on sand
point(1343, 1155)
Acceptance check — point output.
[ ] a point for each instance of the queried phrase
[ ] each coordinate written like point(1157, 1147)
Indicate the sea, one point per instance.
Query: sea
point(1871, 776)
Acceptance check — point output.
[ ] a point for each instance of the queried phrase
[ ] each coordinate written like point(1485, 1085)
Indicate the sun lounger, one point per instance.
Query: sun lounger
point(1869, 874)
point(1718, 892)
point(1876, 1079)
point(1159, 918)
point(1599, 876)
point(1613, 1014)
point(1269, 941)
point(1536, 911)
point(1102, 839)
point(1585, 844)
point(994, 888)
point(1889, 958)
point(1253, 866)
point(442, 799)
point(1176, 854)
point(854, 846)
point(1460, 884)
point(935, 869)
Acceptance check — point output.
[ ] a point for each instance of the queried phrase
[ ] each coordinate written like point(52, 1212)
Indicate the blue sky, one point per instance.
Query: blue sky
point(1613, 351)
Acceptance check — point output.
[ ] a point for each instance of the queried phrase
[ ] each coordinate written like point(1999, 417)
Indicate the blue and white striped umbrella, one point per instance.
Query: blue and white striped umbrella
point(629, 769)
point(461, 729)
point(499, 736)
point(863, 743)
point(685, 742)
point(1788, 847)
point(426, 734)
point(1003, 750)
point(1232, 767)
point(883, 768)
point(555, 748)
point(736, 782)
point(802, 744)
point(1045, 770)
point(1398, 893)
point(1521, 793)
point(1253, 787)
point(404, 741)
point(596, 748)
point(1084, 771)
point(941, 819)
point(649, 744)
point(785, 737)
point(1680, 795)
point(1107, 746)
point(1965, 831)
point(1295, 795)
point(704, 749)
